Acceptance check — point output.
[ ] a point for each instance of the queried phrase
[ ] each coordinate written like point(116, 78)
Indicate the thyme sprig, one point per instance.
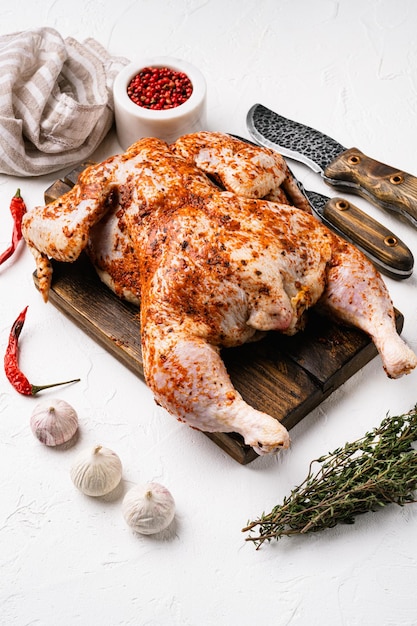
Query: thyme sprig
point(378, 469)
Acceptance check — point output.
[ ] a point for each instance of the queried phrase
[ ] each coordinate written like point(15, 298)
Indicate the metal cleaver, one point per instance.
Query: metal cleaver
point(347, 169)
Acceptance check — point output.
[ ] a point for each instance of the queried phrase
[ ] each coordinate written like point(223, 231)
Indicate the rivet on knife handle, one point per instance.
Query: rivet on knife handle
point(381, 184)
point(371, 236)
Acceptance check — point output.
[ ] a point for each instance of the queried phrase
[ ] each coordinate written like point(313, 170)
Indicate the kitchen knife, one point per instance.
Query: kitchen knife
point(388, 253)
point(347, 169)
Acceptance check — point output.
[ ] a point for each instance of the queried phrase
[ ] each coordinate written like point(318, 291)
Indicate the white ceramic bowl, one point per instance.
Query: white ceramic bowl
point(134, 122)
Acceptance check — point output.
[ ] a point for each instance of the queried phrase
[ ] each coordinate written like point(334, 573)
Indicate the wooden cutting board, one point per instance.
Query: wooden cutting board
point(286, 377)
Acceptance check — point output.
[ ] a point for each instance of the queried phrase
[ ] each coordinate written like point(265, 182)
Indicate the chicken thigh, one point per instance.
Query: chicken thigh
point(191, 232)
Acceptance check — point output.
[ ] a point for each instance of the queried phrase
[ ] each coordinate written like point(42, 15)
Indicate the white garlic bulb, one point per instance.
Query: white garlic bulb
point(54, 422)
point(148, 508)
point(97, 472)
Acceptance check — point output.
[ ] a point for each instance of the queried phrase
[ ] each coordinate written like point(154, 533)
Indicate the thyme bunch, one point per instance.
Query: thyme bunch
point(378, 469)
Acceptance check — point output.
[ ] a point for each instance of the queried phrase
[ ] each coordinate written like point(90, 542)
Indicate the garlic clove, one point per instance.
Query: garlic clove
point(54, 422)
point(97, 471)
point(148, 508)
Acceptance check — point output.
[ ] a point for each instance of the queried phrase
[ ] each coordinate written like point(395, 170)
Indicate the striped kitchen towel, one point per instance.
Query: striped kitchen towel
point(56, 102)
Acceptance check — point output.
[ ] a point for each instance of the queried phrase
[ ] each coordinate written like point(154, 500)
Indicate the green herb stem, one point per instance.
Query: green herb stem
point(378, 469)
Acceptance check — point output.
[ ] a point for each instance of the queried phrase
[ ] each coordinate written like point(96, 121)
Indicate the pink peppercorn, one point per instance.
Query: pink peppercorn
point(159, 88)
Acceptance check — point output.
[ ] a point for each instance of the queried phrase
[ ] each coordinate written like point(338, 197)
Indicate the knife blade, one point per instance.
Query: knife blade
point(348, 169)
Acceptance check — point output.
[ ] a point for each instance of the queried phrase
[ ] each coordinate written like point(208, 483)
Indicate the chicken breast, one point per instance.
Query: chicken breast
point(184, 229)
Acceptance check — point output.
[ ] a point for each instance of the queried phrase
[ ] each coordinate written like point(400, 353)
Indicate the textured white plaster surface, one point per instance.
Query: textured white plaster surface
point(348, 68)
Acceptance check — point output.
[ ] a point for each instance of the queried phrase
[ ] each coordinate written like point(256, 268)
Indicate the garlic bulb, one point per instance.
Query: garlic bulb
point(97, 472)
point(148, 508)
point(54, 422)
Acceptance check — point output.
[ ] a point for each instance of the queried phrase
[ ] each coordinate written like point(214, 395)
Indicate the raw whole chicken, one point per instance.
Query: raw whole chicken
point(215, 241)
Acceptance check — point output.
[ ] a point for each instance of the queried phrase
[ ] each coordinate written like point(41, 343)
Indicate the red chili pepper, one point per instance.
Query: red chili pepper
point(159, 88)
point(11, 365)
point(17, 209)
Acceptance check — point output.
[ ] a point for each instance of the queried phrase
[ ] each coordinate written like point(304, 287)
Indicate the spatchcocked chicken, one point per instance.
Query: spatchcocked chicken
point(215, 241)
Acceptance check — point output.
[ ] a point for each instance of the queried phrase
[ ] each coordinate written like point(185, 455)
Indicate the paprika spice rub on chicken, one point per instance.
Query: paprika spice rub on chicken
point(214, 239)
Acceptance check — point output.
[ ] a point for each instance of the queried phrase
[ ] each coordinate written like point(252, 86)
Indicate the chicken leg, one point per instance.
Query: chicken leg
point(189, 379)
point(356, 294)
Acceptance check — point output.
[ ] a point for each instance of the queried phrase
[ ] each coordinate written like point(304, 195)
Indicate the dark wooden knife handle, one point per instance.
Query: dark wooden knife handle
point(369, 235)
point(383, 185)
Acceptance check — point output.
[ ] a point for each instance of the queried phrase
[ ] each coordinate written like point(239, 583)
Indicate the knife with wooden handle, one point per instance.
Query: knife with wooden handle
point(388, 253)
point(347, 169)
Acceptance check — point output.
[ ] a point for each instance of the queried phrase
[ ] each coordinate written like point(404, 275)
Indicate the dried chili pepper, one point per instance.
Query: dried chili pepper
point(11, 362)
point(17, 209)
